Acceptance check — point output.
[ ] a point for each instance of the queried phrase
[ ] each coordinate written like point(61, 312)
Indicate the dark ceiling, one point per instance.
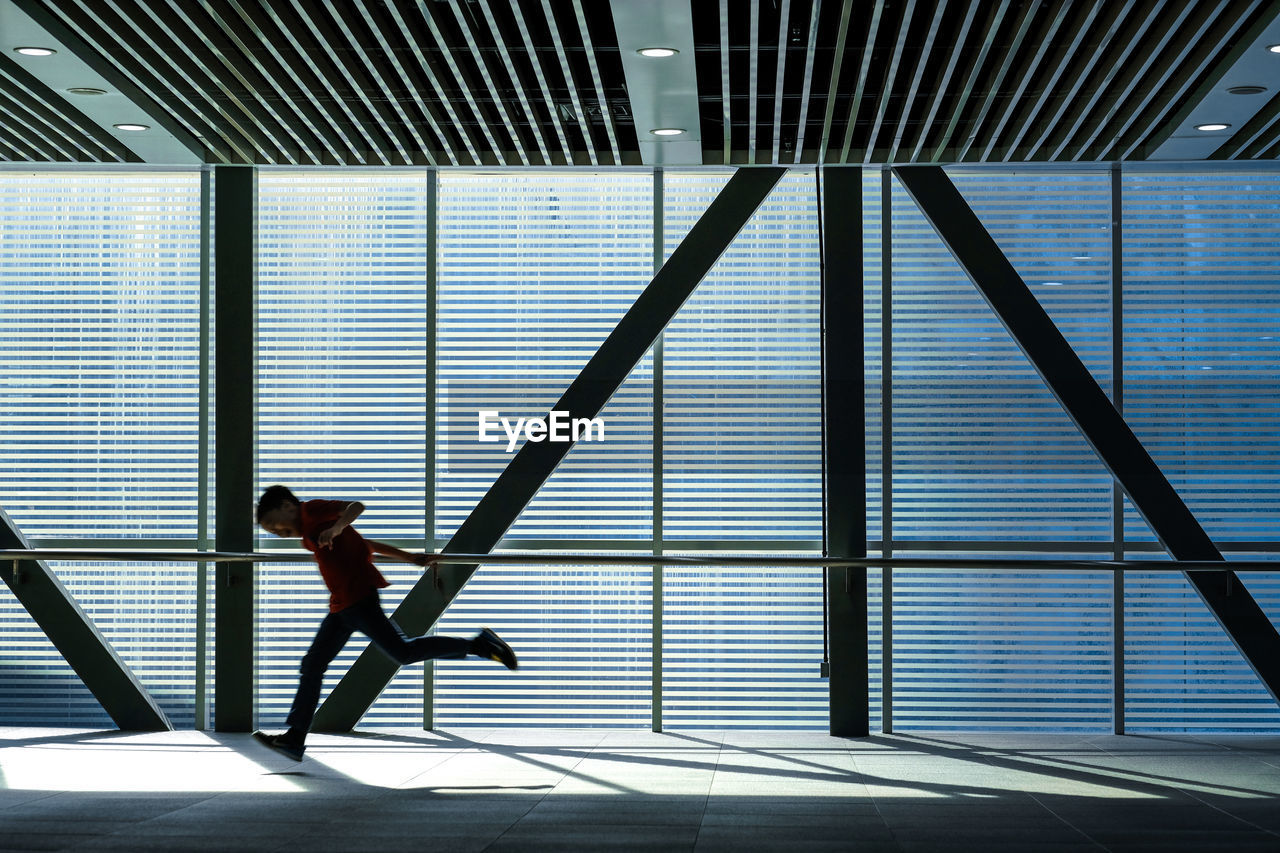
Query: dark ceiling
point(541, 82)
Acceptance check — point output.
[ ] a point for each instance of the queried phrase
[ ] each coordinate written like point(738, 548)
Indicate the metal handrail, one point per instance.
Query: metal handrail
point(561, 559)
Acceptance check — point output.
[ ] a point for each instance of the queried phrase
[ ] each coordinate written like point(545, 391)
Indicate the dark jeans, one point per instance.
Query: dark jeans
point(365, 616)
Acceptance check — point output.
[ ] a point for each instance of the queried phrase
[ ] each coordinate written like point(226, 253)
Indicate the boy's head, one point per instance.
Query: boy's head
point(278, 512)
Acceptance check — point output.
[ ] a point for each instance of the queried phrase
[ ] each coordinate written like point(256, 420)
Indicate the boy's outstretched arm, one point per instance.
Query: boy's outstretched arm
point(392, 551)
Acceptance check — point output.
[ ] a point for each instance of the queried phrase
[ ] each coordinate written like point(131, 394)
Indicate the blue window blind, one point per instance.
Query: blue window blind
point(1201, 326)
point(99, 372)
point(342, 368)
point(535, 270)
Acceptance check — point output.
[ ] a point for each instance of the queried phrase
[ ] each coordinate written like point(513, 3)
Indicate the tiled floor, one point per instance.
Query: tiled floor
point(507, 790)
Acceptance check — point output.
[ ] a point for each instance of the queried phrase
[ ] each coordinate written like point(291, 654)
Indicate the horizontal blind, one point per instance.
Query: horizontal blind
point(742, 464)
point(982, 450)
point(99, 370)
point(743, 649)
point(583, 636)
point(1202, 343)
point(1003, 650)
point(535, 270)
point(1201, 325)
point(1182, 672)
point(742, 453)
point(873, 269)
point(99, 353)
point(147, 612)
point(342, 372)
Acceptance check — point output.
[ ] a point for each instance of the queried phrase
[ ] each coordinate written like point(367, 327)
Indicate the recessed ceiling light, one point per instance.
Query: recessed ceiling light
point(35, 51)
point(1209, 128)
point(1275, 48)
point(1247, 90)
point(133, 127)
point(667, 131)
point(657, 52)
point(86, 90)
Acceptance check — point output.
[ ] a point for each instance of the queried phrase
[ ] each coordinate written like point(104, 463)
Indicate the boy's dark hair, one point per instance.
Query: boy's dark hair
point(274, 498)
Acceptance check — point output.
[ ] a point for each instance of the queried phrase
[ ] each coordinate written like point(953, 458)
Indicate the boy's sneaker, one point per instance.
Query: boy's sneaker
point(489, 645)
point(279, 744)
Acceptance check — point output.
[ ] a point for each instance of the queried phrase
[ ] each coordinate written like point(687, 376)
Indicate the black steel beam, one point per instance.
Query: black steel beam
point(1095, 416)
point(235, 207)
point(77, 639)
point(535, 461)
point(844, 467)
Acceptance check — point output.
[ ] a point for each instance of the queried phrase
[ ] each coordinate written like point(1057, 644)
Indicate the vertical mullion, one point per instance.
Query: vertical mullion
point(1117, 498)
point(235, 628)
point(656, 601)
point(429, 396)
point(202, 462)
point(886, 449)
point(844, 450)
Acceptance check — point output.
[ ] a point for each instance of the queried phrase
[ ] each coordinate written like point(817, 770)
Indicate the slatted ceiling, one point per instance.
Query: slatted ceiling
point(58, 131)
point(540, 82)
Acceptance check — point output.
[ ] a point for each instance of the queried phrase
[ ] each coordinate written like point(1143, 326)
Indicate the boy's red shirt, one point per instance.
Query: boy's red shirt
point(346, 565)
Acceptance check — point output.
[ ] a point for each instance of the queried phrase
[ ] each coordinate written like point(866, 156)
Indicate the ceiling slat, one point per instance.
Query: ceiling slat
point(1149, 51)
point(922, 62)
point(784, 23)
point(610, 124)
point(940, 89)
point(540, 75)
point(472, 48)
point(1105, 55)
point(197, 64)
point(753, 76)
point(364, 34)
point(976, 69)
point(806, 87)
point(239, 61)
point(1176, 86)
point(1023, 28)
point(430, 12)
point(255, 31)
point(344, 71)
point(726, 91)
point(152, 86)
point(837, 64)
point(855, 103)
point(415, 37)
point(392, 39)
point(584, 121)
point(1045, 56)
point(506, 52)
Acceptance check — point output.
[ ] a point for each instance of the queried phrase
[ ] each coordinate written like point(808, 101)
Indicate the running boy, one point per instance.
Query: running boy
point(346, 564)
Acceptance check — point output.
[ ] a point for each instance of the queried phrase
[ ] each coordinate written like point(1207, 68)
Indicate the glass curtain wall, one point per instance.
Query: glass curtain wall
point(394, 307)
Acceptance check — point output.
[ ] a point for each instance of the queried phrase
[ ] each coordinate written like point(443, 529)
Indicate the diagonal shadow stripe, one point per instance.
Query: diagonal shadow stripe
point(1094, 415)
point(534, 463)
point(77, 639)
